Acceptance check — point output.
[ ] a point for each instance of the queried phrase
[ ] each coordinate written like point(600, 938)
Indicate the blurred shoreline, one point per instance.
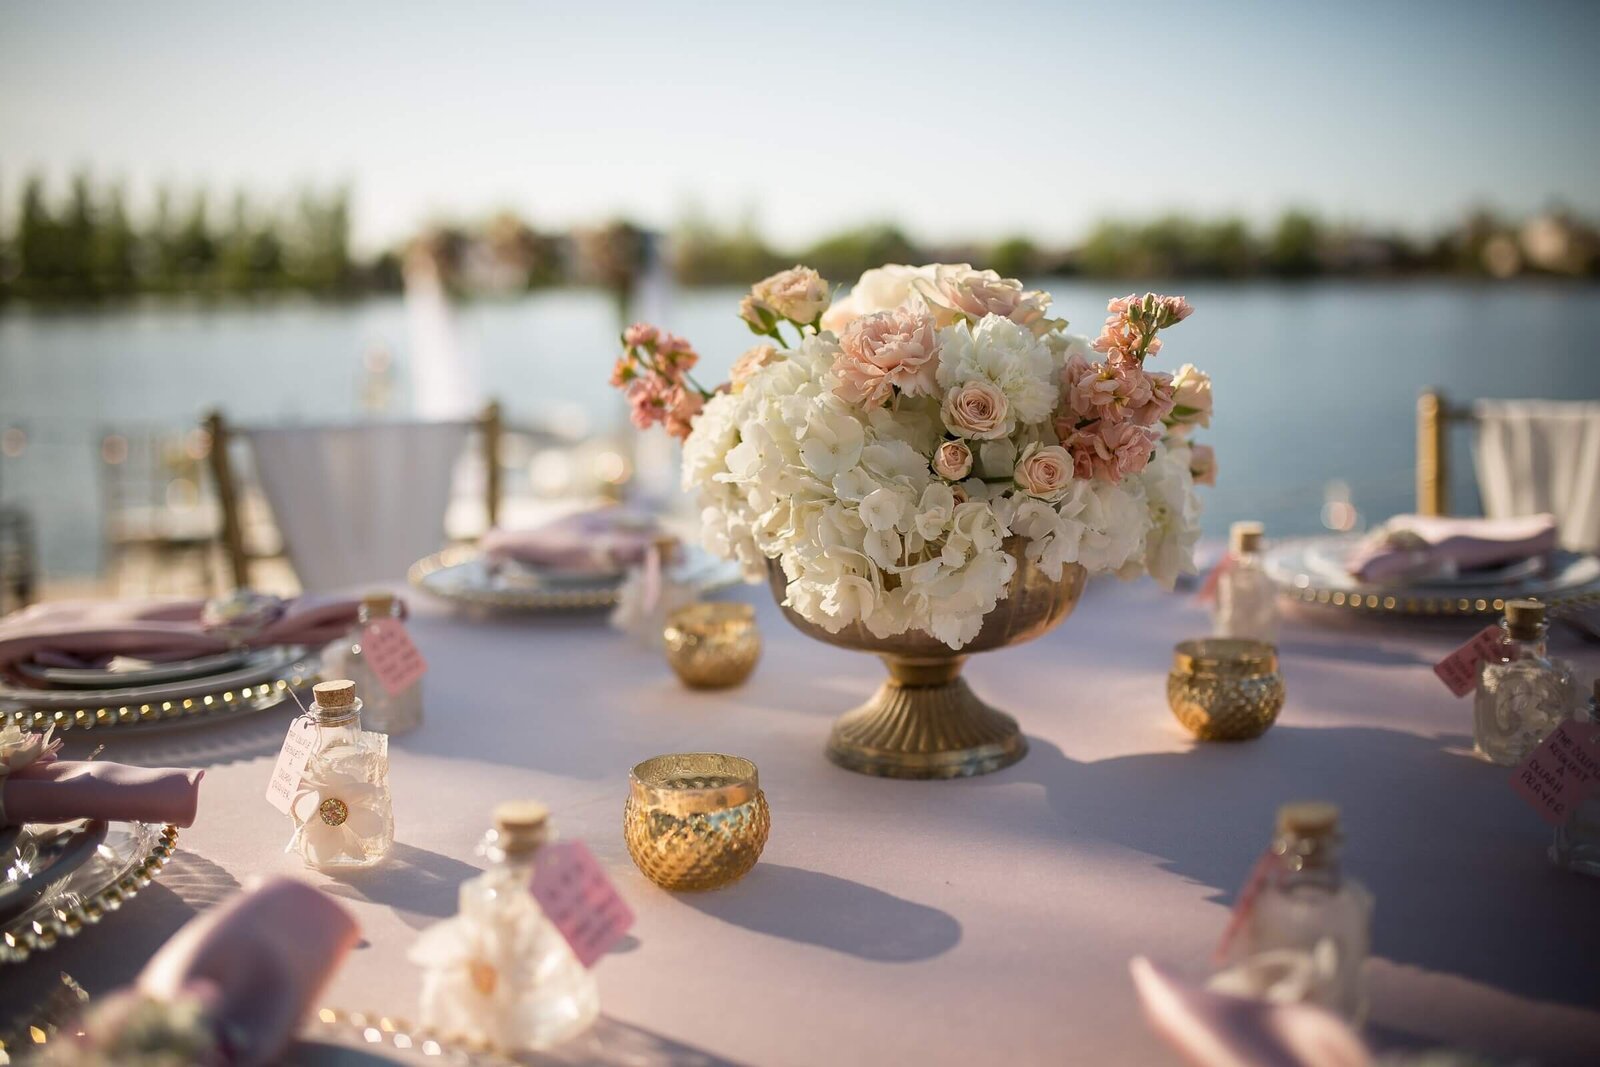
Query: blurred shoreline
point(86, 247)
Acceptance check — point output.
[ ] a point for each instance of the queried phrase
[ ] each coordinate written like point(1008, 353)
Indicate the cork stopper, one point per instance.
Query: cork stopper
point(1308, 818)
point(1245, 537)
point(339, 693)
point(1524, 618)
point(521, 825)
point(378, 603)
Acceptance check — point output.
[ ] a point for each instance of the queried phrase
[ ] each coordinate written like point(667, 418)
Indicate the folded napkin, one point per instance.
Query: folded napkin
point(91, 632)
point(64, 790)
point(598, 541)
point(1213, 1029)
point(233, 985)
point(1410, 546)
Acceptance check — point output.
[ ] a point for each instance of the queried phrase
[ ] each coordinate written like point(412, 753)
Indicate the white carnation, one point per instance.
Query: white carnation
point(1008, 355)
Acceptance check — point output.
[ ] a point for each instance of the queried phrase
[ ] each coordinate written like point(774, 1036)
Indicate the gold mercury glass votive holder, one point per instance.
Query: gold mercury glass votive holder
point(713, 646)
point(695, 820)
point(1225, 688)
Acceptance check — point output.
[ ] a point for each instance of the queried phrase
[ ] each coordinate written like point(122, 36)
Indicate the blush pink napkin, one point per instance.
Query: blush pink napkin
point(1220, 1030)
point(64, 790)
point(258, 962)
point(1440, 540)
point(93, 630)
point(599, 540)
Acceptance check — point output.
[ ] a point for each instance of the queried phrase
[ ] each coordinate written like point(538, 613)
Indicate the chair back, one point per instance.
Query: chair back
point(1531, 457)
point(356, 503)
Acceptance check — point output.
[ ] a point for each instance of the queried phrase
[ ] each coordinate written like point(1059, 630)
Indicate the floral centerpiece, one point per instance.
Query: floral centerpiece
point(901, 455)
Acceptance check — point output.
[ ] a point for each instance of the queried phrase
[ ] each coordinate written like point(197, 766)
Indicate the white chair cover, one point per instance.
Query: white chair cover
point(358, 504)
point(1542, 456)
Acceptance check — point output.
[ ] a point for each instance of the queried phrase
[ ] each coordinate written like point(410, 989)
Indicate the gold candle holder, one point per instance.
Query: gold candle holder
point(1225, 688)
point(695, 820)
point(713, 646)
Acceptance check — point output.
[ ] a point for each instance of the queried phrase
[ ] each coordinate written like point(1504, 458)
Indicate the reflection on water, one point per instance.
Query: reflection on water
point(1314, 383)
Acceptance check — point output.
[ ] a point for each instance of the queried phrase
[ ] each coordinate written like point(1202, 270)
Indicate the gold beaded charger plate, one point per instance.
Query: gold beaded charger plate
point(336, 1038)
point(462, 575)
point(1307, 571)
point(262, 682)
point(124, 861)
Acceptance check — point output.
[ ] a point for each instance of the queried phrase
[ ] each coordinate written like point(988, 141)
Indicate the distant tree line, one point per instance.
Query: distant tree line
point(82, 243)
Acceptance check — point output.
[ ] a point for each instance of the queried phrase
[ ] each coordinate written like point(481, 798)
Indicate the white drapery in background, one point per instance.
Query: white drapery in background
point(358, 504)
point(1542, 456)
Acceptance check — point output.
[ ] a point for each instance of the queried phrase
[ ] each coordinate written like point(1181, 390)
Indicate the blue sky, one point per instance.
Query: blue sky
point(955, 120)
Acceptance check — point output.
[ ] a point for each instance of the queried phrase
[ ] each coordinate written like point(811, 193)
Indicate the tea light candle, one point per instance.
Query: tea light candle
point(695, 820)
point(1225, 688)
point(713, 645)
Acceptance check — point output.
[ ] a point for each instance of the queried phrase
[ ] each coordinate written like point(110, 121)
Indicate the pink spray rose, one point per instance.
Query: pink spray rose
point(953, 461)
point(977, 409)
point(889, 350)
point(1044, 471)
point(1192, 396)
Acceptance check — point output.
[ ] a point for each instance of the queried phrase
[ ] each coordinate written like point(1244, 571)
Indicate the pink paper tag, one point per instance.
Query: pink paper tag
point(579, 899)
point(1561, 773)
point(1208, 588)
point(392, 654)
point(1246, 903)
point(1459, 670)
point(291, 765)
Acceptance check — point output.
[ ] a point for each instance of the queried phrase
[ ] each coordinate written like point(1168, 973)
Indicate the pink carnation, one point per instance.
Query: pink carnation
point(885, 351)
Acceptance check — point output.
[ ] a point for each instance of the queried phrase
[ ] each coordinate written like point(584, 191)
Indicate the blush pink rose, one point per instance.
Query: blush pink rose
point(744, 368)
point(886, 351)
point(953, 461)
point(976, 409)
point(798, 294)
point(1044, 471)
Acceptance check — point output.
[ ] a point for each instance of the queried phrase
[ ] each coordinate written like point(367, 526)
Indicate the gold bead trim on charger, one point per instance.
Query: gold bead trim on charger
point(379, 1032)
point(23, 939)
point(273, 692)
point(1428, 605)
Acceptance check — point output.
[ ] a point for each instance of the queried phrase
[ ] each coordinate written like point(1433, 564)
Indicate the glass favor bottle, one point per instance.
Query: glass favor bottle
point(499, 972)
point(1525, 695)
point(343, 816)
point(1246, 604)
point(1577, 844)
point(386, 712)
point(1307, 908)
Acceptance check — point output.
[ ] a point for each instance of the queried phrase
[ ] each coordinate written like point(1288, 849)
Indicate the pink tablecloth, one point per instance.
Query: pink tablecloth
point(980, 921)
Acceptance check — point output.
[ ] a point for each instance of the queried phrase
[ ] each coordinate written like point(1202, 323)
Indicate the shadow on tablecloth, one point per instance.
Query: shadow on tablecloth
point(822, 909)
point(418, 885)
point(1462, 886)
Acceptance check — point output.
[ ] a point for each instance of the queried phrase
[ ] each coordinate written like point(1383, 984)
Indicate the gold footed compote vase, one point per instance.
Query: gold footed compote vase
point(925, 721)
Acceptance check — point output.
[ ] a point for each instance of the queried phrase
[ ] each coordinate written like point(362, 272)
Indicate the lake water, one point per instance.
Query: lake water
point(1314, 384)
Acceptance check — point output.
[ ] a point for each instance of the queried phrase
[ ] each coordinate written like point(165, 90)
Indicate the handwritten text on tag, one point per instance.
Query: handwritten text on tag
point(297, 745)
point(1459, 670)
point(579, 899)
point(1561, 772)
point(392, 654)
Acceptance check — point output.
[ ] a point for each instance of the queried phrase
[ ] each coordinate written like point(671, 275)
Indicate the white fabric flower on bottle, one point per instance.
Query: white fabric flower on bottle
point(475, 966)
point(336, 811)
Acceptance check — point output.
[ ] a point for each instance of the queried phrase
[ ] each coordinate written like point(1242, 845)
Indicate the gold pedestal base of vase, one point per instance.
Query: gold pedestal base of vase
point(925, 722)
